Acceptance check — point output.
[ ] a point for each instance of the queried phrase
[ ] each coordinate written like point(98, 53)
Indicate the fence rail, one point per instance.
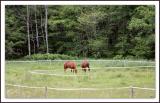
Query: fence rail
point(132, 91)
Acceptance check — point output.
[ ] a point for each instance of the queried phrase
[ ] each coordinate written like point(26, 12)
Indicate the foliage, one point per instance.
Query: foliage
point(97, 31)
point(118, 57)
point(49, 57)
point(142, 27)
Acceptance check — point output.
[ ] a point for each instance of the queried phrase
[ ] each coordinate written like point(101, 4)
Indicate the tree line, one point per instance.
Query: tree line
point(98, 31)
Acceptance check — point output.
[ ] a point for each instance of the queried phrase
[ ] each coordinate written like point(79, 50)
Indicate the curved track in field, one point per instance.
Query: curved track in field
point(43, 72)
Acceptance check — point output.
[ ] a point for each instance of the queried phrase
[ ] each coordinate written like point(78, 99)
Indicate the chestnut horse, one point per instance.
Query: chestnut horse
point(71, 65)
point(84, 65)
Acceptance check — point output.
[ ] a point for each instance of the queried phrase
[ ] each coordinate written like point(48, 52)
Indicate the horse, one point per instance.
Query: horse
point(71, 65)
point(84, 65)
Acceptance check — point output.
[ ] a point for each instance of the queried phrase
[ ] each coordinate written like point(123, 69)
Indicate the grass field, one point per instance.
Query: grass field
point(102, 75)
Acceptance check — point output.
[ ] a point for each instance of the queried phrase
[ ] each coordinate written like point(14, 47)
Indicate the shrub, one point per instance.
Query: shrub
point(129, 57)
point(49, 57)
point(118, 57)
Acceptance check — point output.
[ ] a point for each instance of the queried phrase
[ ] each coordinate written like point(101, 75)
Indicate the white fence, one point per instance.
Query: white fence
point(132, 89)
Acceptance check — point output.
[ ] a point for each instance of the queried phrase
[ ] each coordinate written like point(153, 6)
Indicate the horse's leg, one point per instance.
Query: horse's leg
point(65, 70)
point(75, 71)
point(71, 70)
point(88, 69)
point(83, 69)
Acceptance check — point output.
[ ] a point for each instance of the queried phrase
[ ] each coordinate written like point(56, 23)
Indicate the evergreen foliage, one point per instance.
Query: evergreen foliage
point(106, 31)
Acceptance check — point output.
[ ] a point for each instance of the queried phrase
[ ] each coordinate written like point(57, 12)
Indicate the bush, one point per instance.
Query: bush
point(118, 57)
point(130, 57)
point(49, 57)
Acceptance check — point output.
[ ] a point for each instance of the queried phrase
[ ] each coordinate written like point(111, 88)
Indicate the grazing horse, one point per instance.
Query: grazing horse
point(84, 65)
point(71, 65)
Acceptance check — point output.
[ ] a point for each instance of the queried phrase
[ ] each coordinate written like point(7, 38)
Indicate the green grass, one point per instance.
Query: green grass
point(100, 76)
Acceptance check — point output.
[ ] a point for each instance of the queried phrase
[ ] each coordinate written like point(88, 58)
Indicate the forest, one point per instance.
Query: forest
point(92, 31)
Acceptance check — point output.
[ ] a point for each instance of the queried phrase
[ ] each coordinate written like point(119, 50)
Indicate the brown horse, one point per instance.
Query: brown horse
point(71, 65)
point(84, 65)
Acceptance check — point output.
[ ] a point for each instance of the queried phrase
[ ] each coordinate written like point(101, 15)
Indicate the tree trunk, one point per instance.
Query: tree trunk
point(37, 39)
point(29, 47)
point(42, 30)
point(46, 13)
point(34, 46)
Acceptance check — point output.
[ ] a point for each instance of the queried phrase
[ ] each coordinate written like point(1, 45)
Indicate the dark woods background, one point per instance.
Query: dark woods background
point(117, 32)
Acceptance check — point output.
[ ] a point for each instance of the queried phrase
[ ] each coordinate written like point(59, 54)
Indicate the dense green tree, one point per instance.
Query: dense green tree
point(142, 29)
point(106, 31)
point(15, 34)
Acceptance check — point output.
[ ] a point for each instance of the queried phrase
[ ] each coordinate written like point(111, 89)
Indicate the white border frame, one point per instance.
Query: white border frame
point(3, 3)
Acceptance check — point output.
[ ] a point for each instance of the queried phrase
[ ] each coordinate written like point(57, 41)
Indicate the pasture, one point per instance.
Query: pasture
point(104, 74)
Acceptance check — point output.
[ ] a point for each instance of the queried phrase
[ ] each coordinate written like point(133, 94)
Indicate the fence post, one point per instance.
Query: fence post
point(131, 91)
point(6, 92)
point(50, 62)
point(45, 92)
point(20, 94)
